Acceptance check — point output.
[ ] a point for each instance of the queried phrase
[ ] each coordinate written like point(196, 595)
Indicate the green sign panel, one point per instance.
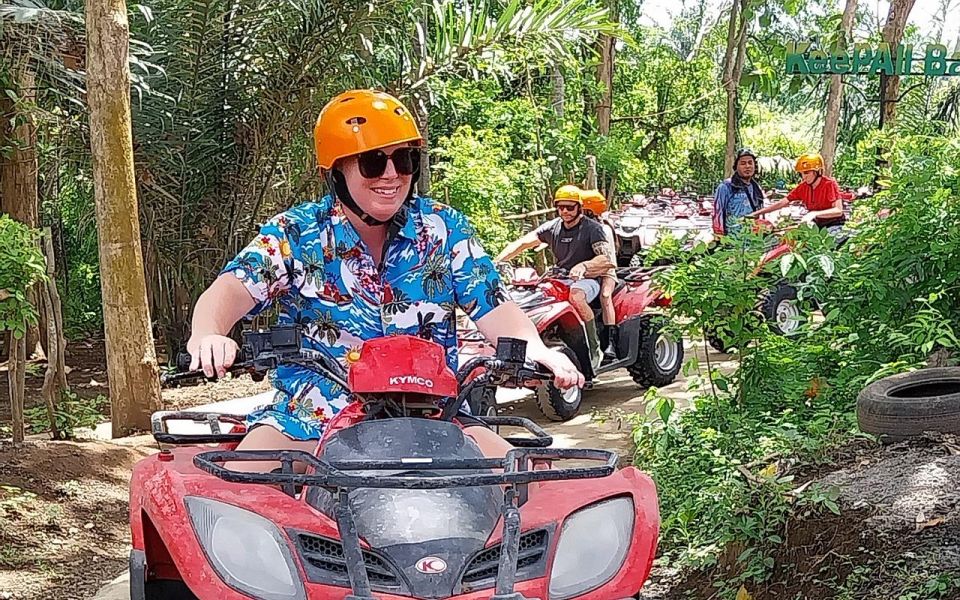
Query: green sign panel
point(867, 59)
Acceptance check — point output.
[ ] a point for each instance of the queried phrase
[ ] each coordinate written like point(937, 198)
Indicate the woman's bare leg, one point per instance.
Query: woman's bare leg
point(491, 444)
point(265, 437)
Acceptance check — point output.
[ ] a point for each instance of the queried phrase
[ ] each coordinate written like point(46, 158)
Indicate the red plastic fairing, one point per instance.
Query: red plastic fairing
point(161, 487)
point(635, 298)
point(402, 363)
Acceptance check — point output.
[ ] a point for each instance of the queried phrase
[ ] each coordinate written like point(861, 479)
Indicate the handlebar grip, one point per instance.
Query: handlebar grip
point(183, 362)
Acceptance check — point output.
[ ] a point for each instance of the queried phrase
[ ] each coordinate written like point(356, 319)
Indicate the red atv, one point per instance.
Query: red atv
point(395, 503)
point(651, 356)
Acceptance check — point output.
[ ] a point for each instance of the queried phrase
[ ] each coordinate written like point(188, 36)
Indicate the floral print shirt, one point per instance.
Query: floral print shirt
point(310, 262)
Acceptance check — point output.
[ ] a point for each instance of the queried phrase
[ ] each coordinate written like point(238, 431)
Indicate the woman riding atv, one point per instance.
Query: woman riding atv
point(369, 259)
point(819, 194)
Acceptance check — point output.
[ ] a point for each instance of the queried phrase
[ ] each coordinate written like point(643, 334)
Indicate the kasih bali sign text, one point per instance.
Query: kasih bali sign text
point(868, 59)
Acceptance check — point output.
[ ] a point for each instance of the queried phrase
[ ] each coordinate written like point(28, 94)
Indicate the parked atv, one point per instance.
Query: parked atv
point(395, 503)
point(639, 224)
point(651, 356)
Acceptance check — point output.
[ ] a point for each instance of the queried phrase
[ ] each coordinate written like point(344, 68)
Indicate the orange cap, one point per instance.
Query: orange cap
point(361, 120)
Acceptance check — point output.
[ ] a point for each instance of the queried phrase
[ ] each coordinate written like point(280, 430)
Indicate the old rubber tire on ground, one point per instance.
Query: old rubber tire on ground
point(557, 404)
point(659, 355)
point(901, 406)
point(781, 309)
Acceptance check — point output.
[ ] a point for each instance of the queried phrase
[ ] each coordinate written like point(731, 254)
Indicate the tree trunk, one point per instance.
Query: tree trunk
point(607, 50)
point(590, 181)
point(19, 177)
point(892, 35)
point(55, 378)
point(16, 379)
point(828, 149)
point(56, 307)
point(733, 67)
point(423, 117)
point(559, 93)
point(131, 357)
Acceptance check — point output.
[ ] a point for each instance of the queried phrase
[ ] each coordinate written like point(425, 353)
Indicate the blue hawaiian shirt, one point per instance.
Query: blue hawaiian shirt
point(311, 264)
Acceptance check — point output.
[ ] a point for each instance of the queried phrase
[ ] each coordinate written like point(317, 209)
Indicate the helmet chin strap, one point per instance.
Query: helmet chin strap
point(337, 184)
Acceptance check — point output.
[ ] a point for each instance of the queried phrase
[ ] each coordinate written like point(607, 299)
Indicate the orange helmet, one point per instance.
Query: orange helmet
point(594, 201)
point(568, 193)
point(361, 120)
point(810, 162)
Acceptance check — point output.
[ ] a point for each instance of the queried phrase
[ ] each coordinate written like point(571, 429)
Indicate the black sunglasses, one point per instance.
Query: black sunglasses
point(566, 207)
point(373, 163)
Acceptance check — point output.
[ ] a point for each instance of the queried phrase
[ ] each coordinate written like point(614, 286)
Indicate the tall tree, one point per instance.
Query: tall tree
point(890, 84)
point(606, 46)
point(18, 164)
point(734, 58)
point(131, 359)
point(834, 100)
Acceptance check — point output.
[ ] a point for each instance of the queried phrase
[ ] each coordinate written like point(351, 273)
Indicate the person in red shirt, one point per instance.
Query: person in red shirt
point(819, 194)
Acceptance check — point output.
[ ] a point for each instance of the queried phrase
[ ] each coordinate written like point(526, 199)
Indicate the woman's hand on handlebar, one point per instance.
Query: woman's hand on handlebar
point(565, 374)
point(213, 353)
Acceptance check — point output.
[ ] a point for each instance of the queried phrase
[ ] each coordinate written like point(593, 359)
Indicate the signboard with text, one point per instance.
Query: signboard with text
point(804, 58)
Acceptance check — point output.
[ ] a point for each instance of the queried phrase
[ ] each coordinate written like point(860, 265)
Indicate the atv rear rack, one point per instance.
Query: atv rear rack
point(337, 477)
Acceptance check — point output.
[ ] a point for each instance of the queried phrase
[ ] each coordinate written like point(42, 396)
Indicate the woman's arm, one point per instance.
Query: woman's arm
point(507, 320)
point(218, 309)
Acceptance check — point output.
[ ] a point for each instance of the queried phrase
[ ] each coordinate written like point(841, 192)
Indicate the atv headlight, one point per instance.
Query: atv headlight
point(247, 551)
point(593, 545)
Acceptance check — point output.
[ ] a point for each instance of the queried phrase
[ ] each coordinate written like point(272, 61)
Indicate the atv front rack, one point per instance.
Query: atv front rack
point(215, 421)
point(339, 479)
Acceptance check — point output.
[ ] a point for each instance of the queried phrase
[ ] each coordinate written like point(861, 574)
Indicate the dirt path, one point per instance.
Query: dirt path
point(70, 536)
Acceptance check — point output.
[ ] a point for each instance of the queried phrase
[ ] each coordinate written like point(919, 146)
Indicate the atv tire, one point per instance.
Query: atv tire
point(659, 357)
point(554, 403)
point(902, 406)
point(780, 309)
point(716, 342)
point(636, 260)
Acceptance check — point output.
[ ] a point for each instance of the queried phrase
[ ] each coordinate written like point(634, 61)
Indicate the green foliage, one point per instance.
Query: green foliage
point(889, 298)
point(21, 265)
point(479, 177)
point(72, 412)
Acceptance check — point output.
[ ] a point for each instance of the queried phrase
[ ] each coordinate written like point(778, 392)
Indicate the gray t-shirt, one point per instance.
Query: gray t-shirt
point(575, 245)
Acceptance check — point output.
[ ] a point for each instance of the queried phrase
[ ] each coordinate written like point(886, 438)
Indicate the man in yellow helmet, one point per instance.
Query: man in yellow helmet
point(580, 247)
point(819, 194)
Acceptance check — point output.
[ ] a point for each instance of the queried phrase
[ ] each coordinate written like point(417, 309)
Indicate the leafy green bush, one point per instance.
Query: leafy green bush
point(21, 265)
point(889, 297)
point(72, 412)
point(480, 179)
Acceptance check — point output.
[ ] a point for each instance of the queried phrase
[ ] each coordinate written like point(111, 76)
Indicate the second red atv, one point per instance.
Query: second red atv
point(652, 356)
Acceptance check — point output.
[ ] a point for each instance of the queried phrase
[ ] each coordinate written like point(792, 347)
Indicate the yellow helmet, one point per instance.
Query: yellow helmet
point(810, 162)
point(594, 201)
point(569, 193)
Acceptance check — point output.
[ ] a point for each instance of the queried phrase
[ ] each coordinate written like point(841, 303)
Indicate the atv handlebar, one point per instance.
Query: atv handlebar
point(282, 346)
